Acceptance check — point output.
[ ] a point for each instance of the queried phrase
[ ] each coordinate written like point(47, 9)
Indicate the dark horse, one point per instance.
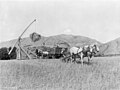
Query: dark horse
point(89, 51)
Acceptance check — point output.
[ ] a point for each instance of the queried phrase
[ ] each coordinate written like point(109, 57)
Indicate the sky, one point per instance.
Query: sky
point(96, 19)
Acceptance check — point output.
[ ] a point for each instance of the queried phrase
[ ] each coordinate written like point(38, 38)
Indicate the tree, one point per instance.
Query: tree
point(4, 54)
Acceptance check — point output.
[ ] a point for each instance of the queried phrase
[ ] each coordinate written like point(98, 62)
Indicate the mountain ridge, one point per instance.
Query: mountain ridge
point(111, 48)
point(51, 40)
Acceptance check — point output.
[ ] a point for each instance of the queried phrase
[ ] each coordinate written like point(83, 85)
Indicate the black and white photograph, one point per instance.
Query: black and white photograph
point(59, 44)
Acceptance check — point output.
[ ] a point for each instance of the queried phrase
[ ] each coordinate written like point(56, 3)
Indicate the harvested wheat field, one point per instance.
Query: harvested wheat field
point(52, 74)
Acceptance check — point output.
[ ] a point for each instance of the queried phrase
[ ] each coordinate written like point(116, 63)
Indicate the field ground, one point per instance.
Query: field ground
point(52, 74)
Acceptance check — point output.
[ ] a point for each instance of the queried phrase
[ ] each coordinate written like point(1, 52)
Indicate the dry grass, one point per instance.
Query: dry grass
point(102, 74)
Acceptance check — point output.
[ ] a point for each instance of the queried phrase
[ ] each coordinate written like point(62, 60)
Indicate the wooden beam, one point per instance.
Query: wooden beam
point(25, 53)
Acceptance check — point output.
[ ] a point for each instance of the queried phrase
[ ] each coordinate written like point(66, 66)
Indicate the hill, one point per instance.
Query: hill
point(72, 40)
point(111, 48)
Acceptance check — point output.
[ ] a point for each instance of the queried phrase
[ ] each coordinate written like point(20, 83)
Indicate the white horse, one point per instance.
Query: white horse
point(75, 51)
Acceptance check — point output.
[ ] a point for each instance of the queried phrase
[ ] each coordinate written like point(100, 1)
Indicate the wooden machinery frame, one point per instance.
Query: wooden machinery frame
point(18, 42)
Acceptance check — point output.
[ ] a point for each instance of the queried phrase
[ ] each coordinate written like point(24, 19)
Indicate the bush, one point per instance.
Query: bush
point(4, 54)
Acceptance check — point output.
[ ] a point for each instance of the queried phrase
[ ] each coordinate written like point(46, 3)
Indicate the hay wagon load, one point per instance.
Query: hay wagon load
point(53, 52)
point(56, 52)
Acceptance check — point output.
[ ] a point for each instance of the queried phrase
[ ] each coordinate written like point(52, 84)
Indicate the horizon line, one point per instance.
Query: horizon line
point(61, 34)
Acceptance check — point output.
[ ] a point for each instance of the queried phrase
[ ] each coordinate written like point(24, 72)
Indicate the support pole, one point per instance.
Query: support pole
point(19, 49)
point(21, 36)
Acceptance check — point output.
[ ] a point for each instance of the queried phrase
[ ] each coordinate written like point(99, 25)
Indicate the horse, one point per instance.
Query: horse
point(71, 54)
point(75, 51)
point(89, 51)
point(66, 56)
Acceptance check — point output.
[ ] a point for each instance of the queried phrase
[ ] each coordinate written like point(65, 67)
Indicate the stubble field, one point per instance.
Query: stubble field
point(52, 74)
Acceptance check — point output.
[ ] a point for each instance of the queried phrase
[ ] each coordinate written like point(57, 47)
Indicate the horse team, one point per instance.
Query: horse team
point(81, 52)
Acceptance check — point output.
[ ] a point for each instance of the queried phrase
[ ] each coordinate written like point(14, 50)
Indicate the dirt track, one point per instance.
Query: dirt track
point(47, 74)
